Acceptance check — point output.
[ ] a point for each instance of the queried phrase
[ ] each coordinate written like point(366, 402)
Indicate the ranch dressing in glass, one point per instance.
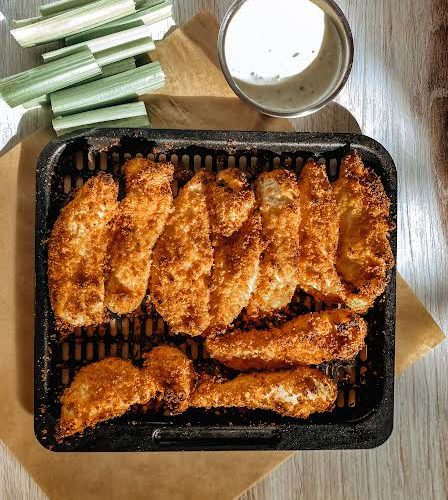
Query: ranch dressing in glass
point(283, 55)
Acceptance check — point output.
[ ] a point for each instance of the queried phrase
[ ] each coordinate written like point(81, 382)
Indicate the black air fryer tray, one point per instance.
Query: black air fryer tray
point(363, 416)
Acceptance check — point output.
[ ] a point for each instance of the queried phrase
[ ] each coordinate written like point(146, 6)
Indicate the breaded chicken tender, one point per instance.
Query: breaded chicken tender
point(77, 253)
point(364, 254)
point(319, 236)
point(235, 271)
point(183, 260)
point(278, 198)
point(140, 219)
point(232, 201)
point(107, 389)
point(174, 373)
point(295, 393)
point(101, 391)
point(310, 339)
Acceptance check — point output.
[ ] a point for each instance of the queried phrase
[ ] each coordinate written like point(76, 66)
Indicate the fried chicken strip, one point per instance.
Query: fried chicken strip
point(364, 255)
point(101, 391)
point(232, 201)
point(237, 247)
point(295, 393)
point(77, 253)
point(174, 372)
point(278, 198)
point(235, 272)
point(182, 261)
point(310, 339)
point(319, 236)
point(108, 388)
point(140, 219)
point(237, 243)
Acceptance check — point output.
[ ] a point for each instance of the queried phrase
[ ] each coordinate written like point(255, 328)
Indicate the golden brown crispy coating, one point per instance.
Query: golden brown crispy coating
point(235, 271)
point(101, 391)
point(319, 236)
point(77, 252)
point(231, 202)
point(278, 198)
point(182, 261)
point(310, 339)
point(364, 255)
point(140, 219)
point(295, 393)
point(174, 372)
point(134, 167)
point(108, 388)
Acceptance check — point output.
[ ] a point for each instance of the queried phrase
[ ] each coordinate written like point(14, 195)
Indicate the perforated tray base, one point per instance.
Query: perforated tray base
point(363, 415)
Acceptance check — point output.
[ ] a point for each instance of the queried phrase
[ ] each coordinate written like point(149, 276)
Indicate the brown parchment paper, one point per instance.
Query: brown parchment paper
point(196, 97)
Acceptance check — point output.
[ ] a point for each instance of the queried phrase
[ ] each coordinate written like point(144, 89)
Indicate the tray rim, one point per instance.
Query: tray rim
point(369, 432)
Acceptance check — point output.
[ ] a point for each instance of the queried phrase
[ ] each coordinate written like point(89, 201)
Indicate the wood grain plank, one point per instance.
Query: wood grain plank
point(398, 94)
point(437, 92)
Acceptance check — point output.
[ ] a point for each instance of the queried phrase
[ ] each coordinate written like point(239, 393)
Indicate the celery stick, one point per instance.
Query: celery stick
point(114, 89)
point(59, 6)
point(70, 22)
point(124, 51)
point(161, 28)
point(19, 23)
point(49, 78)
point(108, 70)
point(138, 122)
point(29, 73)
point(147, 16)
point(100, 32)
point(36, 103)
point(102, 43)
point(7, 79)
point(88, 119)
point(143, 4)
point(117, 67)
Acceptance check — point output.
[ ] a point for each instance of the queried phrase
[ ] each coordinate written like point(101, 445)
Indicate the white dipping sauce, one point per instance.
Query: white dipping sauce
point(284, 55)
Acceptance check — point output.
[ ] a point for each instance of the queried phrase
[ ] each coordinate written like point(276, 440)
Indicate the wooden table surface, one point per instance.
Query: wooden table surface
point(398, 94)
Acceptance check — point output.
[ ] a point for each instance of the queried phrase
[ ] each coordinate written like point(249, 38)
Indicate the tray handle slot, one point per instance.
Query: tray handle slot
point(212, 438)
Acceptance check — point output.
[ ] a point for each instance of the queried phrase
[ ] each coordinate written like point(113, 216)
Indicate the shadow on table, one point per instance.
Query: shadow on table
point(230, 113)
point(333, 118)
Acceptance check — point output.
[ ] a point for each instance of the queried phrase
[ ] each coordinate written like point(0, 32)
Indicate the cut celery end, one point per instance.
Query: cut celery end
point(148, 16)
point(59, 6)
point(85, 119)
point(124, 51)
point(115, 89)
point(109, 70)
point(102, 43)
point(73, 21)
point(160, 28)
point(50, 78)
point(139, 122)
